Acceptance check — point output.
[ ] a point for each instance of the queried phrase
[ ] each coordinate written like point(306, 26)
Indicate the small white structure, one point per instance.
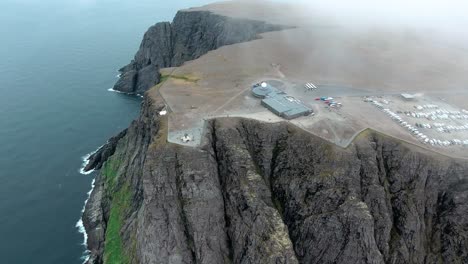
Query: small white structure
point(186, 138)
point(407, 96)
point(163, 113)
point(310, 86)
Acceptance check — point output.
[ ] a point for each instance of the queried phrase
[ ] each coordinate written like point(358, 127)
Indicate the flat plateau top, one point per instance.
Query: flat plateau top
point(329, 50)
point(363, 60)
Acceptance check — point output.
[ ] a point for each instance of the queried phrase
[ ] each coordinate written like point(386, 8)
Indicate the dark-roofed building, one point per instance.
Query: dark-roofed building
point(279, 102)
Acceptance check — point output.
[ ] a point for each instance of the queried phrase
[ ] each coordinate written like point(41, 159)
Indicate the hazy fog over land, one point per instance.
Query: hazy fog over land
point(446, 19)
point(447, 15)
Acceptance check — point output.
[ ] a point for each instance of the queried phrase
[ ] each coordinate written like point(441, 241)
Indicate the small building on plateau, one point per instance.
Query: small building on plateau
point(279, 102)
point(407, 97)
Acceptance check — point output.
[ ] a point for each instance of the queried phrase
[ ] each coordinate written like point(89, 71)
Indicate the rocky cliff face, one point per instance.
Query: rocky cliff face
point(189, 36)
point(271, 193)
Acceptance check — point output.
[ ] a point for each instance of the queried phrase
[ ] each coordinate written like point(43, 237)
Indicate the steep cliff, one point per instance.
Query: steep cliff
point(189, 36)
point(271, 193)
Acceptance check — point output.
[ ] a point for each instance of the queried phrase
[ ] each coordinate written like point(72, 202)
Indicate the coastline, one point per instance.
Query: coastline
point(82, 229)
point(79, 225)
point(116, 91)
point(85, 163)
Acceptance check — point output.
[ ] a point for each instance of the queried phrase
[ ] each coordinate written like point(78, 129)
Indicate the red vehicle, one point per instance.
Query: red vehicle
point(317, 99)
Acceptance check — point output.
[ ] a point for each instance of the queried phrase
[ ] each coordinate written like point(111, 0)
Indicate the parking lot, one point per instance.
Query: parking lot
point(429, 120)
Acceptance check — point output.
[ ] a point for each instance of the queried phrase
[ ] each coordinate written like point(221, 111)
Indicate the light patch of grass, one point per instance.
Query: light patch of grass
point(179, 78)
point(186, 78)
point(163, 78)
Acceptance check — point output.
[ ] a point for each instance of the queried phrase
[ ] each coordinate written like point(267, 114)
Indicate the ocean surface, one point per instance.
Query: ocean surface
point(58, 58)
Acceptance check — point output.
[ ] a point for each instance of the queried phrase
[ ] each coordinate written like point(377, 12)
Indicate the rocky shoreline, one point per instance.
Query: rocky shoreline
point(97, 159)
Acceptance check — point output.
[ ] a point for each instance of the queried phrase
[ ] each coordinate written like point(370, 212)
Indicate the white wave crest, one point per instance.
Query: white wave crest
point(120, 92)
point(115, 91)
point(81, 228)
point(85, 163)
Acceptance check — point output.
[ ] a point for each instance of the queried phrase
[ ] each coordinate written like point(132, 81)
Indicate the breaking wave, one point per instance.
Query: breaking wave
point(115, 91)
point(86, 161)
point(81, 228)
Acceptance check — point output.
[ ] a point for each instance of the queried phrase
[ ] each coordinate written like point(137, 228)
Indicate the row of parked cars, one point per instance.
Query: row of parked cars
point(444, 128)
point(415, 131)
point(427, 106)
point(439, 114)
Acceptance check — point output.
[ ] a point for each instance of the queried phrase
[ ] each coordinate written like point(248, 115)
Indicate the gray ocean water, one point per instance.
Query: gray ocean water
point(58, 58)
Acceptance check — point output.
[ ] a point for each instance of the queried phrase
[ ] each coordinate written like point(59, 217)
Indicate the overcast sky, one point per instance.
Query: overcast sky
point(449, 15)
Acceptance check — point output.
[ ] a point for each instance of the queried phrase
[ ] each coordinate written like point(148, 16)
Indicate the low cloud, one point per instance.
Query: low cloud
point(447, 15)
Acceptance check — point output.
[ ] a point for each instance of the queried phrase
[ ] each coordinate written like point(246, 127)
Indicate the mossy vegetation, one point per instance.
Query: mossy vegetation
point(184, 78)
point(187, 78)
point(114, 252)
point(164, 78)
point(109, 172)
point(121, 198)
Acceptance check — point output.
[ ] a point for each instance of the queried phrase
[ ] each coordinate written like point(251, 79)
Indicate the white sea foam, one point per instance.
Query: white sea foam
point(86, 161)
point(81, 228)
point(115, 91)
point(79, 224)
point(118, 75)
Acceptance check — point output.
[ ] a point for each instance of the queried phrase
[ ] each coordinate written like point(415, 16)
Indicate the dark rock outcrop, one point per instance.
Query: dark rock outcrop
point(271, 193)
point(191, 35)
point(96, 160)
point(128, 158)
point(94, 223)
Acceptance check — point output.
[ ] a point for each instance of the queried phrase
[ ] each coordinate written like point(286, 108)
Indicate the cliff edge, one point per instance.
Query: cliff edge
point(272, 193)
point(190, 35)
